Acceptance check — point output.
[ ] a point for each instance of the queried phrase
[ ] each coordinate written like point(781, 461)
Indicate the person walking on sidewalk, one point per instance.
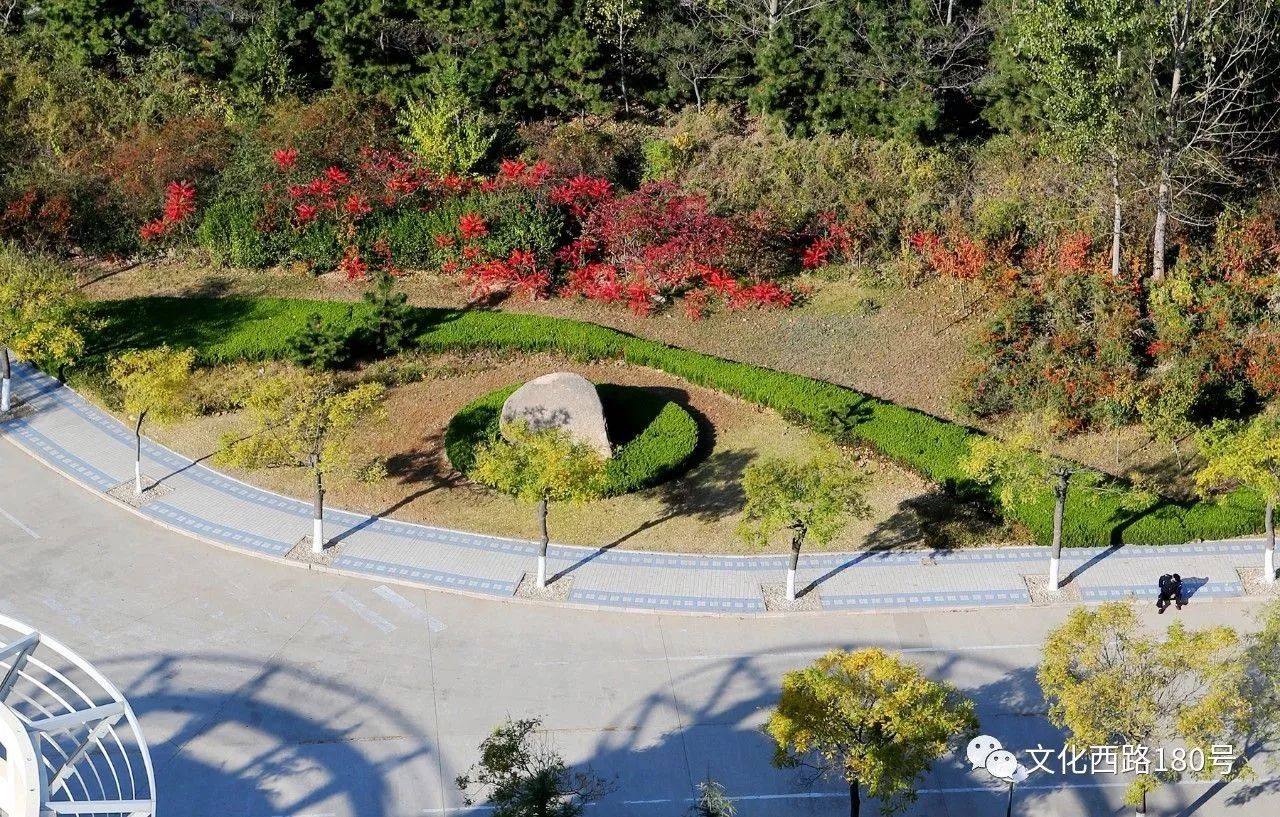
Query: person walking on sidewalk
point(1170, 591)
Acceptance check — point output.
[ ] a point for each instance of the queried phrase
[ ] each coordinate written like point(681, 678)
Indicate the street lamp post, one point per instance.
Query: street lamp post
point(985, 752)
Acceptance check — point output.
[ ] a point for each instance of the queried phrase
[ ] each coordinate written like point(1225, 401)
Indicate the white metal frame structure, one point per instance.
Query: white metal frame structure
point(69, 742)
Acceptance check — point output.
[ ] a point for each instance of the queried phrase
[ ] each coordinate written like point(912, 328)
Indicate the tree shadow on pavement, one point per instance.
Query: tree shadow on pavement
point(706, 723)
point(287, 740)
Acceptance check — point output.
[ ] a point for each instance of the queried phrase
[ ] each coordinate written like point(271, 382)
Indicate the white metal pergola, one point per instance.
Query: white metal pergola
point(69, 742)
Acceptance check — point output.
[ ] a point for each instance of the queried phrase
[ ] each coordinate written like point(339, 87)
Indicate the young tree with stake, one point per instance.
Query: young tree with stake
point(1024, 475)
point(305, 420)
point(871, 718)
point(540, 467)
point(154, 383)
point(811, 500)
point(1246, 454)
point(38, 315)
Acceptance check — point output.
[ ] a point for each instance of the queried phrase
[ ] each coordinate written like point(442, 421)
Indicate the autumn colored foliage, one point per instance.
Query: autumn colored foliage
point(527, 230)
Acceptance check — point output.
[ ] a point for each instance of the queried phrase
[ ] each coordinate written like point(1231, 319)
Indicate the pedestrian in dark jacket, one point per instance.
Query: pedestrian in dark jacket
point(1170, 591)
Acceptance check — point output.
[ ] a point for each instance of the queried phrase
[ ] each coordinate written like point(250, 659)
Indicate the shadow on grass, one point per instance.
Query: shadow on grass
point(712, 491)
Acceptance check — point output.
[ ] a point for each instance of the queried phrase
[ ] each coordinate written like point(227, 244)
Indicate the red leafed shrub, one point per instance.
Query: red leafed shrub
point(353, 266)
point(657, 236)
point(519, 272)
point(582, 194)
point(471, 226)
point(524, 230)
point(179, 205)
point(36, 219)
point(832, 243)
point(285, 159)
point(961, 259)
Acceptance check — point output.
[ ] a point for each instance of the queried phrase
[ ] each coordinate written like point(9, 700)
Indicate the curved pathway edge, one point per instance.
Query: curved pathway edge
point(63, 430)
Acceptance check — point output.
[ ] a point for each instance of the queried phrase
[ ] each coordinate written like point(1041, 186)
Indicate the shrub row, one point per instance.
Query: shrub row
point(228, 329)
point(663, 436)
point(658, 436)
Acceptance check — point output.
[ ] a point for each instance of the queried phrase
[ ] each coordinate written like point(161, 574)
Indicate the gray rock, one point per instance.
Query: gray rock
point(561, 400)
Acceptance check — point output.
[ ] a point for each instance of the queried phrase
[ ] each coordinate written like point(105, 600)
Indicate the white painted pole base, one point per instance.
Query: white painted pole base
point(1269, 565)
point(4, 394)
point(317, 535)
point(791, 585)
point(1053, 574)
point(137, 477)
point(542, 572)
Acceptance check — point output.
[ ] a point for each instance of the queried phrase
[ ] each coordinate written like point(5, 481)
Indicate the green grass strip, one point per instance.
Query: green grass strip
point(232, 329)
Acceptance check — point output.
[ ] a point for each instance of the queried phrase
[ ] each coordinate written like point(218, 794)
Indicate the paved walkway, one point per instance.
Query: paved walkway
point(64, 430)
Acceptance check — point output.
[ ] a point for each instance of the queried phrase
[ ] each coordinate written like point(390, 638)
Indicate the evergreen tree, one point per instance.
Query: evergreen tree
point(389, 324)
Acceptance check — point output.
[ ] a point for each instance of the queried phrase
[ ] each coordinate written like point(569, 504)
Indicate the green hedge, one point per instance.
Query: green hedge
point(229, 233)
point(257, 329)
point(655, 436)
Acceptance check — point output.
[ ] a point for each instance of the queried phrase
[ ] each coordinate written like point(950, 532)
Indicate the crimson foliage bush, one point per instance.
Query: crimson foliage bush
point(525, 230)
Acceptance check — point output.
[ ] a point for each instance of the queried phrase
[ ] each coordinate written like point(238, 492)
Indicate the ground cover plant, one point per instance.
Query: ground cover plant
point(231, 329)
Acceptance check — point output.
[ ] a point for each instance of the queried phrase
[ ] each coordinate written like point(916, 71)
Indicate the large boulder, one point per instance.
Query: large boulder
point(562, 400)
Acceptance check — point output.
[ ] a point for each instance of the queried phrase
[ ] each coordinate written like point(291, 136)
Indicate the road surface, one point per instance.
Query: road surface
point(267, 690)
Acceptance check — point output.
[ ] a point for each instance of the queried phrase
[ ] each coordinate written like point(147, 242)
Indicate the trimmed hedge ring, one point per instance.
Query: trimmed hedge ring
point(654, 437)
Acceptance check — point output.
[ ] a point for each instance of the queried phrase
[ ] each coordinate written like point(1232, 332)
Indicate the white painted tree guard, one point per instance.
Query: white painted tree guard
point(71, 742)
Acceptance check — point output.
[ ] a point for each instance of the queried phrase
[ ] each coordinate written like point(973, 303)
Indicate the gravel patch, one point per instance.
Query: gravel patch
point(557, 590)
point(301, 552)
point(18, 408)
point(1254, 584)
point(1041, 594)
point(151, 491)
point(775, 599)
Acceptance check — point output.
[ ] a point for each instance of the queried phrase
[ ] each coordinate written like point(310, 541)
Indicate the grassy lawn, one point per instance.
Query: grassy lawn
point(904, 345)
point(231, 329)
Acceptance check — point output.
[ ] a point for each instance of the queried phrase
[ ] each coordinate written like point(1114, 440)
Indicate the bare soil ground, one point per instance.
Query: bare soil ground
point(698, 512)
point(906, 345)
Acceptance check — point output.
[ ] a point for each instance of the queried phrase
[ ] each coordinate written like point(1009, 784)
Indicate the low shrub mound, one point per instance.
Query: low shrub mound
point(653, 437)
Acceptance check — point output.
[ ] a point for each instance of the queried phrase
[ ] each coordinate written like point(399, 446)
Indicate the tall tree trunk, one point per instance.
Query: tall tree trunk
point(1269, 558)
point(1059, 511)
point(622, 63)
point(1142, 805)
point(797, 541)
point(1159, 236)
point(317, 509)
point(137, 453)
point(855, 800)
point(542, 546)
point(5, 377)
point(1116, 220)
point(1164, 190)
